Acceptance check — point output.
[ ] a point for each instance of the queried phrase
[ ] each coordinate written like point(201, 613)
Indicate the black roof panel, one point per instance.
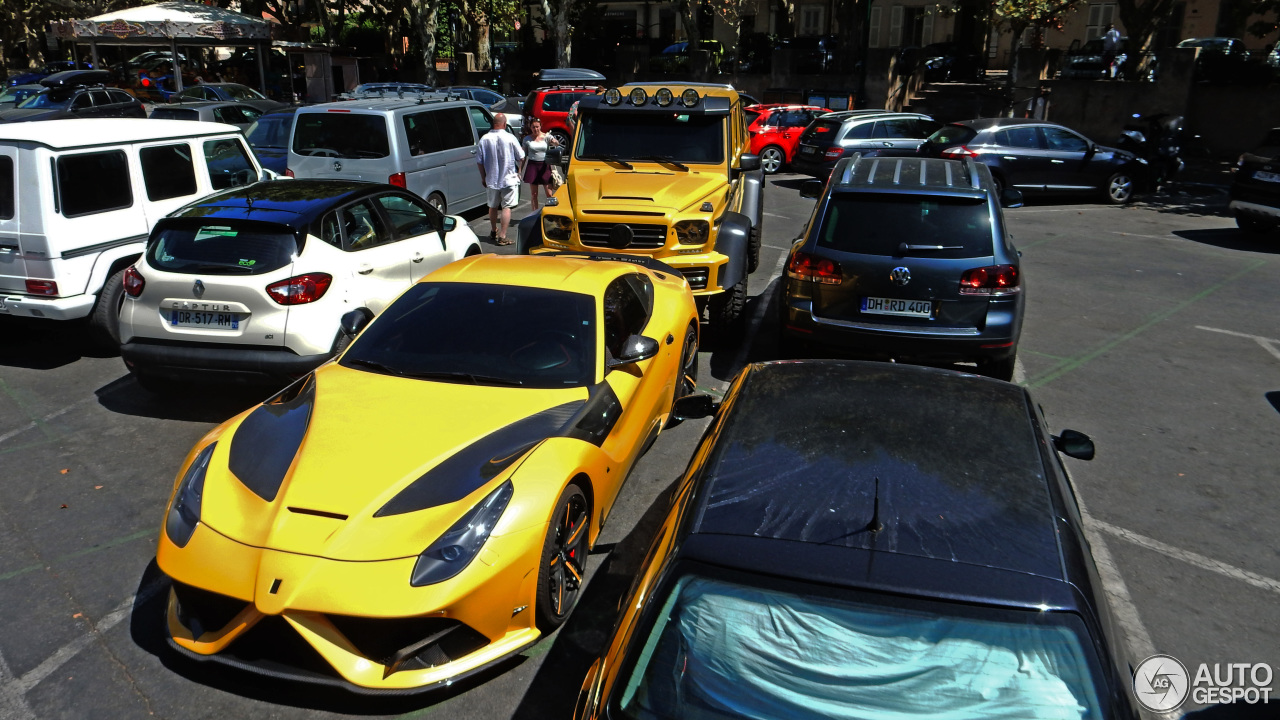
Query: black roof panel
point(295, 203)
point(955, 456)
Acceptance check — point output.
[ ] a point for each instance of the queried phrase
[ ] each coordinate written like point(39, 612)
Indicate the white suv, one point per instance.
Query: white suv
point(262, 280)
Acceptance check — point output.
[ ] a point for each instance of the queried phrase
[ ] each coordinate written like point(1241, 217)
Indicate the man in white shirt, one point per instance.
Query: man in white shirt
point(498, 158)
point(1110, 48)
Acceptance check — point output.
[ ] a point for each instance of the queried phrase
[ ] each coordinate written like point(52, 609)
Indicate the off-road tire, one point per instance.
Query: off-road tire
point(725, 308)
point(104, 319)
point(754, 240)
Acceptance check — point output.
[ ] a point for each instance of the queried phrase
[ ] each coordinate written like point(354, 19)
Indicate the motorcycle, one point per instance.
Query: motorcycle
point(1158, 139)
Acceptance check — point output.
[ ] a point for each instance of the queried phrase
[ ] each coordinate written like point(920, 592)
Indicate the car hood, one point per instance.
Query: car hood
point(313, 470)
point(21, 114)
point(645, 188)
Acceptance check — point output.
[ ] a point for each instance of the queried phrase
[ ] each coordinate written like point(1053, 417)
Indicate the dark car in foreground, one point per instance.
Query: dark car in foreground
point(864, 540)
point(1042, 157)
point(868, 132)
point(1255, 189)
point(75, 94)
point(905, 258)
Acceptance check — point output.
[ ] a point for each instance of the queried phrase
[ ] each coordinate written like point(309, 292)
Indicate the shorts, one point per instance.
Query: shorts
point(507, 197)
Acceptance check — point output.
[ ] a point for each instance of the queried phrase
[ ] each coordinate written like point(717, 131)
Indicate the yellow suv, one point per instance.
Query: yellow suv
point(662, 170)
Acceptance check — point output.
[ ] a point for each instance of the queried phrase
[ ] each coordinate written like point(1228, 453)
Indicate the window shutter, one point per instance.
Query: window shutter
point(874, 40)
point(895, 26)
point(926, 26)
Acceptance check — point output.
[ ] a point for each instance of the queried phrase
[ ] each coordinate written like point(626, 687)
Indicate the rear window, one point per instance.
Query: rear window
point(561, 102)
point(341, 135)
point(883, 225)
point(751, 115)
point(952, 135)
point(93, 182)
point(229, 164)
point(437, 130)
point(222, 249)
point(174, 114)
point(167, 171)
point(269, 132)
point(6, 188)
point(821, 131)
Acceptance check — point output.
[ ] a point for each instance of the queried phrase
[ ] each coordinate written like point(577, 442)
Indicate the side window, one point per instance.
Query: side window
point(81, 102)
point(861, 131)
point(91, 183)
point(1019, 137)
point(167, 171)
point(363, 227)
point(331, 230)
point(1064, 140)
point(797, 119)
point(228, 114)
point(7, 186)
point(481, 120)
point(100, 98)
point(409, 218)
point(250, 114)
point(455, 128)
point(625, 314)
point(925, 128)
point(229, 164)
point(892, 129)
point(485, 96)
point(422, 132)
point(120, 97)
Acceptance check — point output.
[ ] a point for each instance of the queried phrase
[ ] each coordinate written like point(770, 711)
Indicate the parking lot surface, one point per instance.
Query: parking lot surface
point(1149, 327)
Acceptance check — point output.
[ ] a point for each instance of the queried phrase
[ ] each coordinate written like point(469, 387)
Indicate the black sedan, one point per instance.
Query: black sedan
point(1255, 191)
point(228, 92)
point(1041, 157)
point(858, 540)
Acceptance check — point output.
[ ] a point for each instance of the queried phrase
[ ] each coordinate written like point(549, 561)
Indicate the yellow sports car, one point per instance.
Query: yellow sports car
point(423, 506)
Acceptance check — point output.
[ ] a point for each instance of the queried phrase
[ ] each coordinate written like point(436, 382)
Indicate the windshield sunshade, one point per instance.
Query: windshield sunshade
point(221, 248)
point(341, 135)
point(632, 136)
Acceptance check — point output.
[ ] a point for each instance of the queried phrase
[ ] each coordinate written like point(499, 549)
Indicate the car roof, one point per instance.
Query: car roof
point(760, 107)
point(90, 132)
point(980, 124)
point(389, 104)
point(197, 104)
point(571, 273)
point(908, 175)
point(293, 203)
point(947, 465)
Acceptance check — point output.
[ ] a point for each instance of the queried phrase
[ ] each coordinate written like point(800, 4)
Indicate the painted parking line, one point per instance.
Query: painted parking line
point(1191, 558)
point(1271, 345)
point(40, 421)
point(776, 215)
point(1118, 597)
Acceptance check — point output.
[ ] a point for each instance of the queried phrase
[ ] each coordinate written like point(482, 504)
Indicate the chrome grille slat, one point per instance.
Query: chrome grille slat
point(646, 235)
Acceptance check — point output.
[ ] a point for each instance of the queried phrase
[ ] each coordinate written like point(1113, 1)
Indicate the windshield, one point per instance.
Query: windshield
point(269, 132)
point(952, 135)
point(636, 136)
point(883, 224)
point(341, 135)
point(16, 95)
point(821, 130)
point(45, 100)
point(164, 113)
point(724, 650)
point(222, 249)
point(532, 337)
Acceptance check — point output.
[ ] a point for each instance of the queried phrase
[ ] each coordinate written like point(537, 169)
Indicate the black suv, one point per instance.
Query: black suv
point(75, 94)
point(906, 258)
point(1255, 193)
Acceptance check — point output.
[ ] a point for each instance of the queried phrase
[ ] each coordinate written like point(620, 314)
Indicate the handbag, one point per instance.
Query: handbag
point(557, 177)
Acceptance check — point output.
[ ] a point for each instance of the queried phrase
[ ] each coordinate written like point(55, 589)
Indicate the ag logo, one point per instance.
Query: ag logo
point(1161, 683)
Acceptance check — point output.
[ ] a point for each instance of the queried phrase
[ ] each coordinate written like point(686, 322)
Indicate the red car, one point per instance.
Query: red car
point(551, 104)
point(775, 131)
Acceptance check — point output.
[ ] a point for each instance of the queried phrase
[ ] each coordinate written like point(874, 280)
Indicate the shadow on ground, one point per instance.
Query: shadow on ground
point(198, 402)
point(1233, 239)
point(39, 344)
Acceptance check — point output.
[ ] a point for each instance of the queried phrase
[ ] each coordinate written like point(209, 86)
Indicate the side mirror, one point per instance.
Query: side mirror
point(268, 174)
point(810, 188)
point(450, 223)
point(1011, 198)
point(555, 155)
point(635, 349)
point(749, 163)
point(694, 407)
point(354, 321)
point(1073, 443)
point(1093, 148)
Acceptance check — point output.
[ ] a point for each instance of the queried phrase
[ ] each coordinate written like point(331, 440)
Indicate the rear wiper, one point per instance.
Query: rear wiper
point(473, 378)
point(215, 267)
point(905, 248)
point(666, 159)
point(607, 158)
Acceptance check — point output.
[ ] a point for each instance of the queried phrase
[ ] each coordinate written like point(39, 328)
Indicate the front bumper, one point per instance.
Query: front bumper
point(1251, 209)
point(353, 625)
point(61, 308)
point(996, 340)
point(180, 361)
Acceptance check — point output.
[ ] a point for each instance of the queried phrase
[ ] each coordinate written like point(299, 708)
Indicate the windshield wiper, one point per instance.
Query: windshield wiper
point(473, 378)
point(375, 365)
point(905, 248)
point(665, 159)
point(607, 158)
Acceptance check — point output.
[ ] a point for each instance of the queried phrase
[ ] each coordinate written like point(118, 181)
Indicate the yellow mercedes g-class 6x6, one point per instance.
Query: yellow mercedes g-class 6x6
point(662, 170)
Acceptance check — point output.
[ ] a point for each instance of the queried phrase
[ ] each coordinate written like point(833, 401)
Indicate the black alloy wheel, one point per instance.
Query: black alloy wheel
point(564, 560)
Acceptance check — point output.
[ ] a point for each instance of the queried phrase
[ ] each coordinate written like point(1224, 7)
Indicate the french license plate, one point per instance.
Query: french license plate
point(808, 150)
point(1266, 176)
point(196, 318)
point(893, 306)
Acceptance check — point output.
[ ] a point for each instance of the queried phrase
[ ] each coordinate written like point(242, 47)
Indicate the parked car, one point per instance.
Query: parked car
point(909, 259)
point(231, 113)
point(1226, 60)
point(269, 138)
point(14, 94)
point(32, 77)
point(228, 92)
point(950, 62)
point(1088, 62)
point(812, 54)
point(418, 545)
point(675, 57)
point(78, 198)
point(775, 132)
point(253, 282)
point(383, 89)
point(868, 132)
point(75, 94)
point(426, 145)
point(551, 103)
point(1041, 157)
point(497, 102)
point(1255, 188)
point(865, 540)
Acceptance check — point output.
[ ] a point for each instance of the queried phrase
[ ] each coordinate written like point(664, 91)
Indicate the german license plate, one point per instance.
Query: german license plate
point(1266, 176)
point(199, 319)
point(808, 150)
point(893, 306)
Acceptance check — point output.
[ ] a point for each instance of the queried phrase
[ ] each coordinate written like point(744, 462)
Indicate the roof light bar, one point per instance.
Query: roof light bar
point(664, 97)
point(638, 96)
point(612, 96)
point(689, 98)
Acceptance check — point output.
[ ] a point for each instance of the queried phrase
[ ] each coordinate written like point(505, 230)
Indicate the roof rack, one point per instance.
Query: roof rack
point(954, 180)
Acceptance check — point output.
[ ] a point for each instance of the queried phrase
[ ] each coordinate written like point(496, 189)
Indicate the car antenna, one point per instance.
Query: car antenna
point(875, 525)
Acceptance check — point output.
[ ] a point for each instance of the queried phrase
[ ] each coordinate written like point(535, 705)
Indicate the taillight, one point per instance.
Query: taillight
point(822, 129)
point(398, 180)
point(300, 290)
point(834, 152)
point(289, 172)
point(992, 281)
point(133, 282)
point(958, 151)
point(42, 287)
point(804, 266)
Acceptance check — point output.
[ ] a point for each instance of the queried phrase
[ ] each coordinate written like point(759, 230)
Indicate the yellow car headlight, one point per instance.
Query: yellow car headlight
point(185, 511)
point(693, 232)
point(557, 227)
point(454, 550)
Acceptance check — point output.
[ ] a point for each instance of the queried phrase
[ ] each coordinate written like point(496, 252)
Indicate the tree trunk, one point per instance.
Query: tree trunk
point(480, 45)
point(564, 43)
point(1141, 19)
point(425, 16)
point(689, 18)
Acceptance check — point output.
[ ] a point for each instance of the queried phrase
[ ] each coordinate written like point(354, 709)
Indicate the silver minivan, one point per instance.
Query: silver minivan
point(422, 143)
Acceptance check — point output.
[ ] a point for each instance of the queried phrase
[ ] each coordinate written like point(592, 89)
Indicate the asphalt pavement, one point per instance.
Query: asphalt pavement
point(1149, 327)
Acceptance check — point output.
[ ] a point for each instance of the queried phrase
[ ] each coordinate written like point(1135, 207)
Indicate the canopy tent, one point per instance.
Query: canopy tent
point(171, 23)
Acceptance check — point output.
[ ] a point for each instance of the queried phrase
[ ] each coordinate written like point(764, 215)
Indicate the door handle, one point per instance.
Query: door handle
point(1058, 162)
point(365, 269)
point(887, 144)
point(473, 151)
point(417, 257)
point(1008, 157)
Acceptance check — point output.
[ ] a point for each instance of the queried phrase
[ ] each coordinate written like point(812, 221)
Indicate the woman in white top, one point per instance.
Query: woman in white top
point(537, 171)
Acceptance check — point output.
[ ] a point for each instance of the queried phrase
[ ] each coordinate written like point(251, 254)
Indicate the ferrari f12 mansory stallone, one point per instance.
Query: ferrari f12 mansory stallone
point(423, 506)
